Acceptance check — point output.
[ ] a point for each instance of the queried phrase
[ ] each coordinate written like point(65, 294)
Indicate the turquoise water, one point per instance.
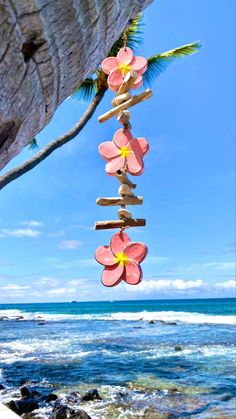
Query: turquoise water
point(182, 364)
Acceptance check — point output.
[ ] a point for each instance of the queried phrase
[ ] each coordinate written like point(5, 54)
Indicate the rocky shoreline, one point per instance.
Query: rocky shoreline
point(68, 407)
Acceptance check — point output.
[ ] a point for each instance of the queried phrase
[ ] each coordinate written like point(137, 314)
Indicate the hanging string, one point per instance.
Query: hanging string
point(125, 39)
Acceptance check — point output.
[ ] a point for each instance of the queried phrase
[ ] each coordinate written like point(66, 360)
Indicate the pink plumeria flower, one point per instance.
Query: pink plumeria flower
point(124, 151)
point(118, 67)
point(121, 260)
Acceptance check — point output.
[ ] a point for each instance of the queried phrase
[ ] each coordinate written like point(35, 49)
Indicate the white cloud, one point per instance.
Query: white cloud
point(19, 233)
point(167, 285)
point(33, 223)
point(220, 265)
point(70, 244)
point(46, 280)
point(60, 291)
point(15, 287)
point(226, 285)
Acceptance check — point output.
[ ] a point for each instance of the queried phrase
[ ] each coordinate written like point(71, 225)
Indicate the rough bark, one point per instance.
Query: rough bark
point(47, 48)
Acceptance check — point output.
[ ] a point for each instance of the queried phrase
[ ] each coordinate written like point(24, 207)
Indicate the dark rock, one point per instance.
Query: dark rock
point(226, 397)
point(178, 348)
point(35, 393)
point(29, 416)
point(25, 393)
point(151, 322)
point(50, 398)
point(173, 390)
point(23, 406)
point(61, 412)
point(91, 395)
point(2, 387)
point(80, 414)
point(73, 397)
point(168, 323)
point(22, 382)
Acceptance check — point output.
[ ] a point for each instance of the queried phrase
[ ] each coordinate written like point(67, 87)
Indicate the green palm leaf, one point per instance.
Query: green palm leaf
point(159, 62)
point(134, 36)
point(33, 145)
point(86, 90)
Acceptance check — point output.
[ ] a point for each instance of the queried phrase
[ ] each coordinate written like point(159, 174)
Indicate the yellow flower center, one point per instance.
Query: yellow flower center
point(121, 258)
point(124, 69)
point(124, 151)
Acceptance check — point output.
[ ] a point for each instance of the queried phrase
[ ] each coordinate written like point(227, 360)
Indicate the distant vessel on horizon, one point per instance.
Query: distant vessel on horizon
point(73, 301)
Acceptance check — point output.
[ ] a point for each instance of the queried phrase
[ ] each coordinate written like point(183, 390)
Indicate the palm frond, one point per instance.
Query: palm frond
point(159, 62)
point(86, 90)
point(33, 145)
point(134, 36)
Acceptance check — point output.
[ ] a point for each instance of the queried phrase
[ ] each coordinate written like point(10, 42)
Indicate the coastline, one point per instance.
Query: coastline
point(146, 359)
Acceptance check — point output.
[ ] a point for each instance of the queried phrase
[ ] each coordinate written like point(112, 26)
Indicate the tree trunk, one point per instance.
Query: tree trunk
point(47, 48)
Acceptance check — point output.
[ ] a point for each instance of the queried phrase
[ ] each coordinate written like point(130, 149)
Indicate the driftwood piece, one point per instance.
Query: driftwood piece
point(123, 179)
point(106, 225)
point(126, 85)
point(124, 190)
point(124, 214)
point(126, 200)
point(121, 98)
point(134, 100)
point(124, 117)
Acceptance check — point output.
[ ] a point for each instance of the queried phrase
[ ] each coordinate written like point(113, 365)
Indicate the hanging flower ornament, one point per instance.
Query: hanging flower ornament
point(123, 155)
point(121, 260)
point(118, 67)
point(124, 151)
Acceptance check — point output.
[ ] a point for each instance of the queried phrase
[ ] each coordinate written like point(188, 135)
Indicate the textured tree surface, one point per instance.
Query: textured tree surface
point(47, 48)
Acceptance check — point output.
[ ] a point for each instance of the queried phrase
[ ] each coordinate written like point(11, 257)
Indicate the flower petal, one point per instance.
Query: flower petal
point(125, 55)
point(132, 273)
point(119, 241)
point(115, 78)
point(134, 163)
point(138, 82)
point(139, 64)
point(122, 137)
point(108, 150)
point(139, 146)
point(109, 64)
point(136, 251)
point(105, 256)
point(115, 164)
point(113, 88)
point(111, 275)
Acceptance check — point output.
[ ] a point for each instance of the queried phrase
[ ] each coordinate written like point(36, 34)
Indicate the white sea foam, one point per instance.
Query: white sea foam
point(169, 316)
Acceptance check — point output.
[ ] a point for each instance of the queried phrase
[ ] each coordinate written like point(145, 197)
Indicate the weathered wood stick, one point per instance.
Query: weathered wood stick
point(121, 98)
point(131, 102)
point(124, 190)
point(126, 200)
point(123, 179)
point(105, 225)
point(128, 83)
point(124, 117)
point(124, 214)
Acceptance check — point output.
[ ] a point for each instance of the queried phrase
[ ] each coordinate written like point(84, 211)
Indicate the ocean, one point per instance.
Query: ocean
point(147, 359)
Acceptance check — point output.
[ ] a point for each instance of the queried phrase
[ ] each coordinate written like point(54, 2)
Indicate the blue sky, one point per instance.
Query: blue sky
point(47, 239)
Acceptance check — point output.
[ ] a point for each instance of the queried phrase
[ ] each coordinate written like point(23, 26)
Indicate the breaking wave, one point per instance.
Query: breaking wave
point(166, 316)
